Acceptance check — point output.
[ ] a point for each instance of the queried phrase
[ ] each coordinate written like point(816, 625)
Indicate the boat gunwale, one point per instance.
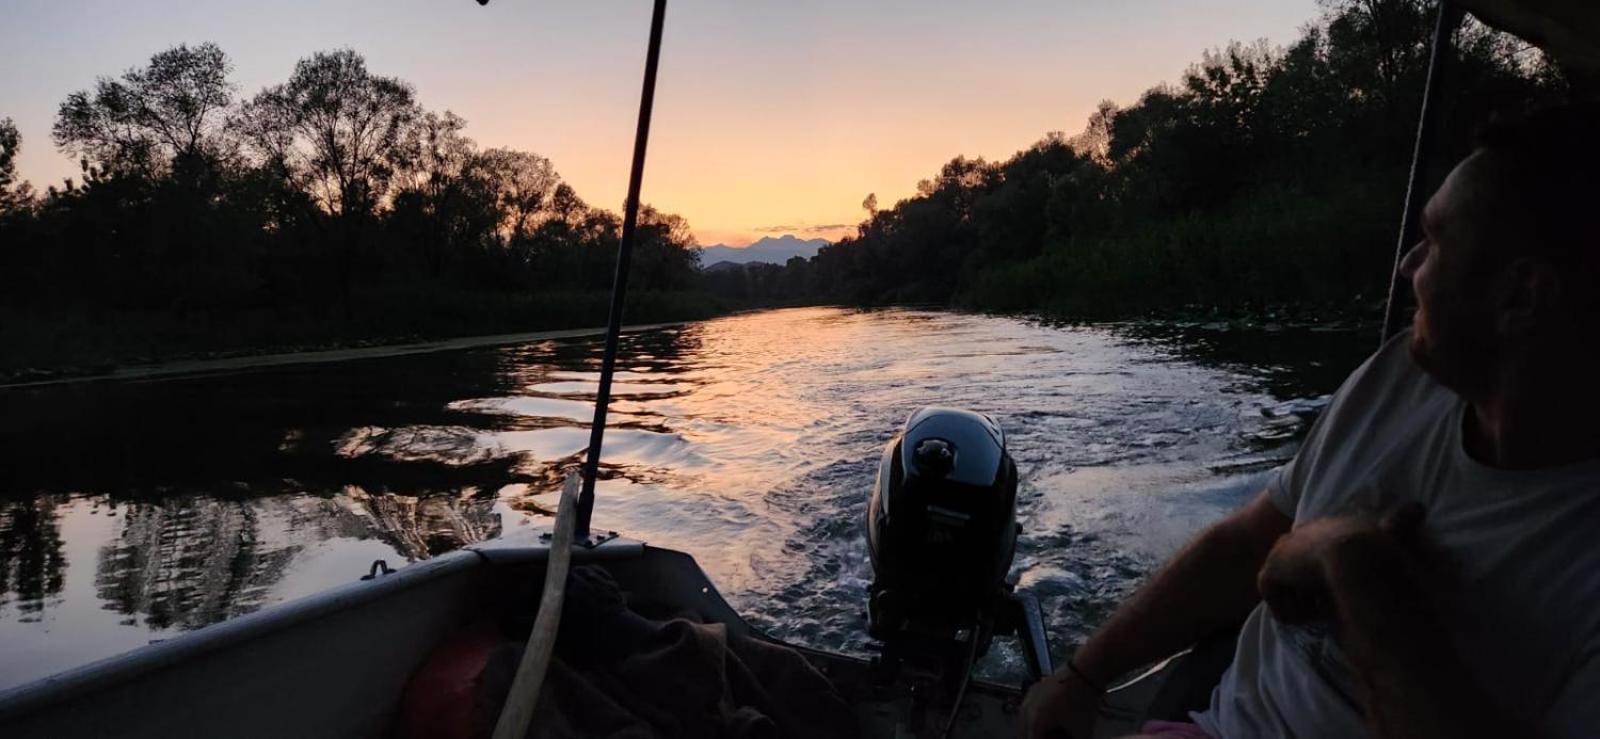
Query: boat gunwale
point(19, 702)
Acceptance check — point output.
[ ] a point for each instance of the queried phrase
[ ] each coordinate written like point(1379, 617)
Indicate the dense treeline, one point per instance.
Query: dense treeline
point(766, 285)
point(1268, 178)
point(327, 208)
point(333, 207)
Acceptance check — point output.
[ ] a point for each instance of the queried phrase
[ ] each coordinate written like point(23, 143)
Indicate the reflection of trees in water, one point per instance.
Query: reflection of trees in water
point(189, 562)
point(1287, 361)
point(180, 556)
point(417, 527)
point(32, 566)
point(658, 350)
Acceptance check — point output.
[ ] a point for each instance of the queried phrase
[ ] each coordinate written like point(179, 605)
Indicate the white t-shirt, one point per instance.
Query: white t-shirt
point(1521, 603)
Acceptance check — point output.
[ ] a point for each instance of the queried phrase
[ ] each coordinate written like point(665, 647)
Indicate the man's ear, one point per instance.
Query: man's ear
point(1530, 296)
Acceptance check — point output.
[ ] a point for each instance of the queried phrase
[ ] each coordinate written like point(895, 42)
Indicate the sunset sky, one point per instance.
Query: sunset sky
point(771, 117)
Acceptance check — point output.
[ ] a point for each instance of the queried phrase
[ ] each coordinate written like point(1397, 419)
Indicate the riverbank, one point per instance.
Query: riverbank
point(261, 361)
point(42, 347)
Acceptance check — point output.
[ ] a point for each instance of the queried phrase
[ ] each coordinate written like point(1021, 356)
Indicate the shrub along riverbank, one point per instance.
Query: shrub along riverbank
point(1311, 254)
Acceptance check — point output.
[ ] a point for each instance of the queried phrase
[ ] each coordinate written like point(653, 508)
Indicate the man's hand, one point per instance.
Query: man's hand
point(1364, 577)
point(1060, 706)
point(1296, 581)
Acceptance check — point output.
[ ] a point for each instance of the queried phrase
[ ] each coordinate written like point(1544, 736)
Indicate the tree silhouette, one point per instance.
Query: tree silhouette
point(524, 188)
point(341, 135)
point(1095, 141)
point(10, 144)
point(173, 109)
point(335, 130)
point(13, 194)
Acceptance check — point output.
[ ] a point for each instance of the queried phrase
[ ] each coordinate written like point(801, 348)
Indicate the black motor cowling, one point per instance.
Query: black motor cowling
point(941, 531)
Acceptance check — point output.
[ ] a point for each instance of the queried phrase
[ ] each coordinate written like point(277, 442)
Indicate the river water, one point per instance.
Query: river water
point(131, 511)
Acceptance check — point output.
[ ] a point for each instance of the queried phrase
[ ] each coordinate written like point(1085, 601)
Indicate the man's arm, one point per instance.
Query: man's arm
point(1208, 585)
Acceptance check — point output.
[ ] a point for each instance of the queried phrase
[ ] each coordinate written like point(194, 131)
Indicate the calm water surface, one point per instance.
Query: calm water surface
point(132, 511)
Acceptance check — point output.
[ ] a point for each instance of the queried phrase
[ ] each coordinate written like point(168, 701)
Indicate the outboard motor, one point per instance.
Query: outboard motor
point(941, 530)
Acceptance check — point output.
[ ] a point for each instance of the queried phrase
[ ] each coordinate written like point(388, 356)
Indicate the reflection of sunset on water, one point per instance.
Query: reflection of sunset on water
point(750, 441)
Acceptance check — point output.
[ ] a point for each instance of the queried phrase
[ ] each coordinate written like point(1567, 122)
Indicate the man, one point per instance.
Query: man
point(1429, 564)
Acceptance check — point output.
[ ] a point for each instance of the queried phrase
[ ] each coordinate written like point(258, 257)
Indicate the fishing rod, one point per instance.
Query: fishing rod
point(1443, 46)
point(517, 713)
point(619, 284)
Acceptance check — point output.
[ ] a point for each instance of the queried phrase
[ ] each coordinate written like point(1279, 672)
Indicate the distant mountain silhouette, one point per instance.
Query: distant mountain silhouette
point(772, 250)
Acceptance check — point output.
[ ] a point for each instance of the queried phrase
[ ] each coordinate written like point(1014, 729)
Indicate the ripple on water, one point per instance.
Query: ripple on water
point(528, 406)
point(587, 388)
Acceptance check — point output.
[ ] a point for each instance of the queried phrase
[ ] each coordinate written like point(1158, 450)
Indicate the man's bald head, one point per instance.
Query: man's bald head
point(1507, 274)
point(1536, 195)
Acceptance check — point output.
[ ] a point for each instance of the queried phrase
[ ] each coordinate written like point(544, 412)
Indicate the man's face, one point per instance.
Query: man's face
point(1453, 331)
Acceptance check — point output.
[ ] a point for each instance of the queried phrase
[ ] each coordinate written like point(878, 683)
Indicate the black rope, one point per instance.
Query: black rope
point(1421, 157)
point(619, 284)
point(961, 691)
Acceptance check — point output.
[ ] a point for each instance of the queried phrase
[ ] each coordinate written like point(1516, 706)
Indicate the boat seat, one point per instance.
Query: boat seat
point(1194, 677)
